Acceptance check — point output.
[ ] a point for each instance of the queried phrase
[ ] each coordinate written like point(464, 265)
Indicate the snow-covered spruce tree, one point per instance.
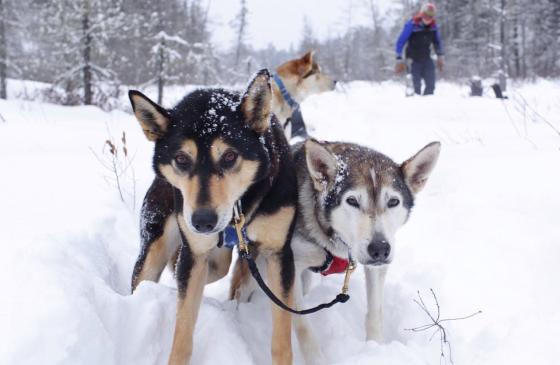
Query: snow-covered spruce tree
point(165, 49)
point(3, 51)
point(240, 26)
point(239, 61)
point(166, 43)
point(77, 33)
point(544, 37)
point(201, 65)
point(11, 29)
point(381, 53)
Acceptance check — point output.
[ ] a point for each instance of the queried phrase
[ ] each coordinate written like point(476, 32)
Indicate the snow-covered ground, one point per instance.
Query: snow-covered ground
point(484, 235)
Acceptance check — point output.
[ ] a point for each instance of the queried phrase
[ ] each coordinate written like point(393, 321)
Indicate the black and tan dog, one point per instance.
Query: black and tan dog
point(215, 148)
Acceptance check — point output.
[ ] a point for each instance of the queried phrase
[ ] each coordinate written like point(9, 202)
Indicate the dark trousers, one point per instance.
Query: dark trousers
point(426, 70)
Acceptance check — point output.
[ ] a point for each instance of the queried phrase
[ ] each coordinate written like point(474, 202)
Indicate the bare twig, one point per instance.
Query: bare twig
point(118, 163)
point(537, 115)
point(526, 137)
point(436, 323)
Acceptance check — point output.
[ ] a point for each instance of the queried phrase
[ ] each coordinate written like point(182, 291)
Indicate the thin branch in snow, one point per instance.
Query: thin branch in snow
point(436, 323)
point(119, 165)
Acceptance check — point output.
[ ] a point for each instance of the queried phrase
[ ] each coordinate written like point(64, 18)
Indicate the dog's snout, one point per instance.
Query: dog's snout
point(379, 250)
point(204, 220)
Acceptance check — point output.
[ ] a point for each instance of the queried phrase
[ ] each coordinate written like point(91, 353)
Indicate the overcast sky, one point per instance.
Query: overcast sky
point(280, 22)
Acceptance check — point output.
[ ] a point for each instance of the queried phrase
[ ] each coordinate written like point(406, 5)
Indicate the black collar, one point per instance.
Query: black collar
point(328, 261)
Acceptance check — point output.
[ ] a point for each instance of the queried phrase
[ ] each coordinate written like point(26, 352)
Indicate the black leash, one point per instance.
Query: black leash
point(342, 297)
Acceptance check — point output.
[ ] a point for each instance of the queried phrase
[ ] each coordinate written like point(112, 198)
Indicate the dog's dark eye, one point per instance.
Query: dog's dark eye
point(228, 159)
point(183, 161)
point(353, 202)
point(393, 202)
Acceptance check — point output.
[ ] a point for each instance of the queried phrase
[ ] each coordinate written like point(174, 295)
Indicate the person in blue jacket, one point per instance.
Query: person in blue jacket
point(420, 33)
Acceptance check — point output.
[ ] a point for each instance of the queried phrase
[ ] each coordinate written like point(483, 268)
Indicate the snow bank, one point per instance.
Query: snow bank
point(483, 235)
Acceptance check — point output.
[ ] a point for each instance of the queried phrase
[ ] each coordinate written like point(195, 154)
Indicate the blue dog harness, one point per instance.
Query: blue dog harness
point(230, 236)
point(298, 126)
point(285, 94)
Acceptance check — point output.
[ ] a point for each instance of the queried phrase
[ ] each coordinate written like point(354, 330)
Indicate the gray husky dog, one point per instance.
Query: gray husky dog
point(352, 200)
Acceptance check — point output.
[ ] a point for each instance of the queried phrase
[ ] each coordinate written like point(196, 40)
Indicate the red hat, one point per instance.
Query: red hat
point(428, 9)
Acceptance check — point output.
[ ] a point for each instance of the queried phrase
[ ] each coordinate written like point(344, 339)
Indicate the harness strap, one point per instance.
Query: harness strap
point(340, 298)
point(285, 94)
point(298, 125)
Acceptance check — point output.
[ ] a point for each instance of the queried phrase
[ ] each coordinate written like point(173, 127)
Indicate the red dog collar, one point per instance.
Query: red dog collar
point(332, 265)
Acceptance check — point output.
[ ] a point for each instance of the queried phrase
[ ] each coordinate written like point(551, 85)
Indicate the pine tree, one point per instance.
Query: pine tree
point(10, 43)
point(240, 25)
point(77, 33)
point(3, 51)
point(309, 41)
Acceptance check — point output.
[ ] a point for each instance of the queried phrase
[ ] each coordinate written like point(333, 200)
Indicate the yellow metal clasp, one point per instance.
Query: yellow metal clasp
point(239, 223)
point(349, 270)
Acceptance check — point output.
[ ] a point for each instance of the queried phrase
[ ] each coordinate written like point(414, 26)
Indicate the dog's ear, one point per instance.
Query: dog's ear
point(256, 102)
point(152, 117)
point(417, 169)
point(308, 57)
point(306, 63)
point(320, 163)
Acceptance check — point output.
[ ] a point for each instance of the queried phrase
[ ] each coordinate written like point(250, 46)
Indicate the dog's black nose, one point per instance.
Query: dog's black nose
point(379, 249)
point(204, 220)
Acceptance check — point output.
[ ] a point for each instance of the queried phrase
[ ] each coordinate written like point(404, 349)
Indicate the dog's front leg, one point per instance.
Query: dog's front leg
point(308, 344)
point(191, 273)
point(375, 282)
point(281, 282)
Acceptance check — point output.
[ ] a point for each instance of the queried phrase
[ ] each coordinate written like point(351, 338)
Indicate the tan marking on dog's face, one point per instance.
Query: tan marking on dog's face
point(218, 148)
point(272, 230)
point(171, 175)
point(227, 189)
point(224, 188)
point(189, 147)
point(171, 172)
